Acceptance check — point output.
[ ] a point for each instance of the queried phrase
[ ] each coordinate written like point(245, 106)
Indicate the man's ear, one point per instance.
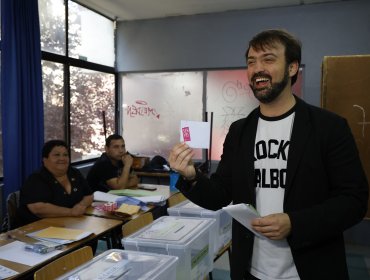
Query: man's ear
point(293, 68)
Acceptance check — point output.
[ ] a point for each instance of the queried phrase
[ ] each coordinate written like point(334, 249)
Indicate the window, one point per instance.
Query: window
point(92, 102)
point(52, 26)
point(53, 93)
point(91, 36)
point(78, 76)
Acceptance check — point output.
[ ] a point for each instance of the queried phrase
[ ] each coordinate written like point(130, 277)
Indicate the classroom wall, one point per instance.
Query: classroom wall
point(219, 40)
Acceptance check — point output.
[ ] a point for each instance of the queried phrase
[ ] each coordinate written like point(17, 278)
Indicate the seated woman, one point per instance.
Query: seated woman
point(57, 189)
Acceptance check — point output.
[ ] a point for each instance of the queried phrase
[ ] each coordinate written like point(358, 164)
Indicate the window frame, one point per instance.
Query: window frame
point(68, 62)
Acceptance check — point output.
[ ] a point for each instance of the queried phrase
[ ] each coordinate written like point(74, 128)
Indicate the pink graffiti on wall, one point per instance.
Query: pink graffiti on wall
point(141, 109)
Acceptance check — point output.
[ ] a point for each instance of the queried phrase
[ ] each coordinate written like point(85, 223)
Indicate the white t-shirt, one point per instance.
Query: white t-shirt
point(272, 260)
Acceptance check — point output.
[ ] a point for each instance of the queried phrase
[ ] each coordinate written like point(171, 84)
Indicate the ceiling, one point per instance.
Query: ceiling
point(122, 10)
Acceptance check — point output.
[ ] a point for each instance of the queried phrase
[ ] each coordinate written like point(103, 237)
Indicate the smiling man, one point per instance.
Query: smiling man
point(296, 163)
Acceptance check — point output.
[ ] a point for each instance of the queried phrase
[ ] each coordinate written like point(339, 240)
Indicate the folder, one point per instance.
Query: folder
point(60, 235)
point(131, 192)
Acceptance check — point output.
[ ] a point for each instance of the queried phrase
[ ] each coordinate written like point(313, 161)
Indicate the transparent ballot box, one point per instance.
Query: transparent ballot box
point(223, 220)
point(125, 265)
point(190, 239)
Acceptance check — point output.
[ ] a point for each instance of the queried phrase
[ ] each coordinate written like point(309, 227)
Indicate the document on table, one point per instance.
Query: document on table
point(244, 214)
point(59, 235)
point(132, 192)
point(151, 199)
point(6, 272)
point(106, 197)
point(16, 252)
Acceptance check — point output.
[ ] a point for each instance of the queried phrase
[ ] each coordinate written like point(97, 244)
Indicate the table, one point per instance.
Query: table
point(98, 226)
point(161, 190)
point(91, 211)
point(153, 175)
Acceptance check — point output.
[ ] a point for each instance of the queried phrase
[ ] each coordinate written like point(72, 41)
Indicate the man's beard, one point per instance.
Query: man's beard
point(271, 93)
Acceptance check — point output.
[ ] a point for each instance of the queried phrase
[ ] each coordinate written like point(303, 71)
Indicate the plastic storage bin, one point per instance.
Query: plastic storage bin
point(223, 220)
point(126, 265)
point(190, 239)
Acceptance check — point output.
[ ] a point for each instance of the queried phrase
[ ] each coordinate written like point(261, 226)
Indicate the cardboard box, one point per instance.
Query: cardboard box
point(345, 89)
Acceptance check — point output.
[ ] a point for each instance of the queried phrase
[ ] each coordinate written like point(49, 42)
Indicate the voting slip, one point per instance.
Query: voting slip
point(195, 134)
point(244, 214)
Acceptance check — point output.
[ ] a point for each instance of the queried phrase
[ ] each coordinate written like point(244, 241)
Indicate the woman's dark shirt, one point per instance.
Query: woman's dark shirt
point(41, 186)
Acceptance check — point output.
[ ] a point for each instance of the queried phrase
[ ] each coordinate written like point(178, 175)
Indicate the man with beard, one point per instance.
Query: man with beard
point(296, 163)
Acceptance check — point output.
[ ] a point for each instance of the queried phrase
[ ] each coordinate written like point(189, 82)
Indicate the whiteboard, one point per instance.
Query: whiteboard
point(230, 98)
point(153, 104)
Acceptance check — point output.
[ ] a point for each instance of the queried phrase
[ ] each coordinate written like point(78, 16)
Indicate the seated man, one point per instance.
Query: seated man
point(112, 171)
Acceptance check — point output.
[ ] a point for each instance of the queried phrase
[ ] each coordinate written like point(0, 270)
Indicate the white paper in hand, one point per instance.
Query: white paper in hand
point(195, 134)
point(244, 214)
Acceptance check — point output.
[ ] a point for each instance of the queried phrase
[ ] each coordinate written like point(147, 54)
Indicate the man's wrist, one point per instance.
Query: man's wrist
point(194, 179)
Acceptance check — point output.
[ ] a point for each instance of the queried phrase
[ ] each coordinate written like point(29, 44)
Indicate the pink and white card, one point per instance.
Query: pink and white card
point(195, 134)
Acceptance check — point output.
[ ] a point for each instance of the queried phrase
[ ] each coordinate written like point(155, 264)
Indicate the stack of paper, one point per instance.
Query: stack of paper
point(6, 272)
point(154, 199)
point(244, 214)
point(59, 235)
point(15, 252)
point(108, 197)
point(150, 197)
point(105, 197)
point(131, 192)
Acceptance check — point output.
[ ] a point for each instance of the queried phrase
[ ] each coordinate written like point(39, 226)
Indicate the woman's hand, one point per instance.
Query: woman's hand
point(78, 210)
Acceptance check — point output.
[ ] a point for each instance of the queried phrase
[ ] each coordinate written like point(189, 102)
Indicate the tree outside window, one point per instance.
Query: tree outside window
point(76, 91)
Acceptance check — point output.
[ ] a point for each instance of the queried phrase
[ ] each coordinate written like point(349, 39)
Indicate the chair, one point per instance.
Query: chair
point(12, 220)
point(64, 264)
point(176, 199)
point(137, 223)
point(226, 248)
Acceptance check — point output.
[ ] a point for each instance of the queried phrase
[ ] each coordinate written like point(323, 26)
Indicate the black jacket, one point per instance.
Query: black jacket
point(326, 192)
